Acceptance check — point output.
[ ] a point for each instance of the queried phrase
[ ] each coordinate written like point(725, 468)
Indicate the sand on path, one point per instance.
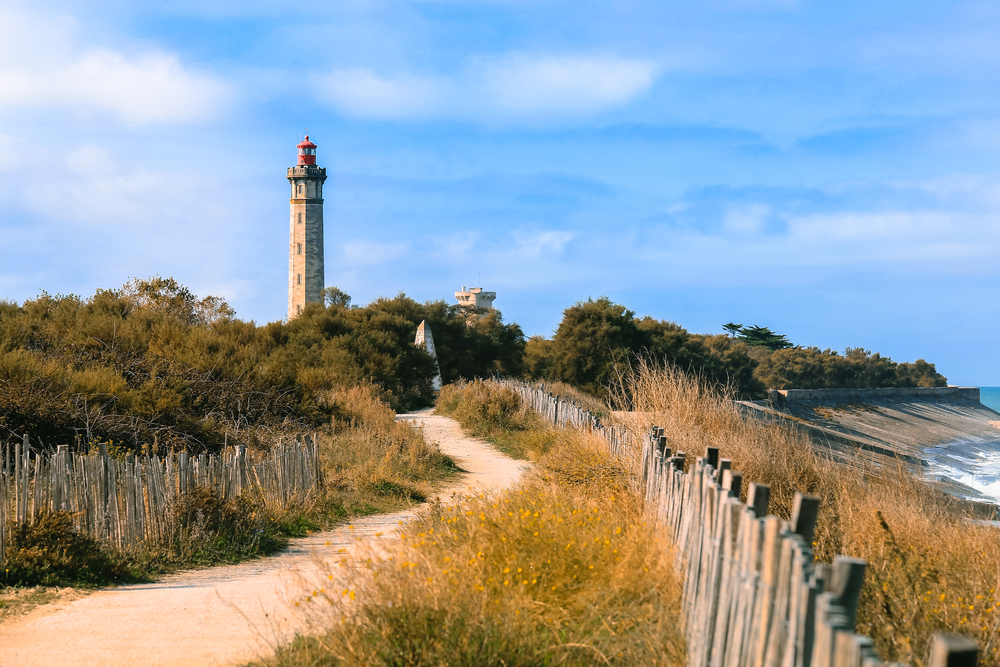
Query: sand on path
point(232, 614)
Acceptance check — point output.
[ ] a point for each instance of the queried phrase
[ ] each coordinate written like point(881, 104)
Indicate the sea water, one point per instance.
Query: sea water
point(975, 465)
point(990, 397)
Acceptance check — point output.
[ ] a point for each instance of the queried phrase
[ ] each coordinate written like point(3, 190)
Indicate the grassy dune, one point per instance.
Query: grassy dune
point(930, 567)
point(371, 463)
point(562, 570)
point(565, 569)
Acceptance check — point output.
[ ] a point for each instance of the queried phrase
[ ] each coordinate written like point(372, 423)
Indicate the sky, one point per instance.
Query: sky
point(827, 170)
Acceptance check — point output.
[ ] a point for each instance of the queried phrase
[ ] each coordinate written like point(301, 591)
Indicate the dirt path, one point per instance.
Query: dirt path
point(224, 615)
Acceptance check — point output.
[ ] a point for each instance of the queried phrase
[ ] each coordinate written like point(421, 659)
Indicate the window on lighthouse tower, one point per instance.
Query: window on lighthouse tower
point(300, 248)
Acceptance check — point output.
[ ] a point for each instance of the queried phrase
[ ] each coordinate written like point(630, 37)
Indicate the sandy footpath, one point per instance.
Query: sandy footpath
point(224, 615)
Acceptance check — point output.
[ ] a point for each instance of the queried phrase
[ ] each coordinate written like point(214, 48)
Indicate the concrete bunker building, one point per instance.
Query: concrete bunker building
point(476, 298)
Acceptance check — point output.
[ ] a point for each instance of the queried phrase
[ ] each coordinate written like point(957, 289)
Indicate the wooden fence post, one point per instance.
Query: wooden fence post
point(805, 509)
point(712, 456)
point(4, 500)
point(848, 576)
point(953, 651)
point(18, 499)
point(758, 497)
point(24, 469)
point(103, 489)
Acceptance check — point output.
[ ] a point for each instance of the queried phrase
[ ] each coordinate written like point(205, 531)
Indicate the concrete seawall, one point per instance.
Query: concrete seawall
point(842, 395)
point(945, 430)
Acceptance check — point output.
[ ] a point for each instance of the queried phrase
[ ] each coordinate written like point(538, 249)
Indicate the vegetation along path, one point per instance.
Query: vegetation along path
point(225, 615)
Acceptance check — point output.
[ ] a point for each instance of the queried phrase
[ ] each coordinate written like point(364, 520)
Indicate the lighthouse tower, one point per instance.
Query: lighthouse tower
point(305, 247)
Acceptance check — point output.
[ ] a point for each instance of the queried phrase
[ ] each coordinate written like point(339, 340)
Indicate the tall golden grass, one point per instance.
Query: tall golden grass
point(931, 567)
point(373, 460)
point(568, 392)
point(496, 413)
point(562, 570)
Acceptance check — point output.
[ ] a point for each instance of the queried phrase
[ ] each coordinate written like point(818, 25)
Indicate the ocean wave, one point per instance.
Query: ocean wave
point(973, 465)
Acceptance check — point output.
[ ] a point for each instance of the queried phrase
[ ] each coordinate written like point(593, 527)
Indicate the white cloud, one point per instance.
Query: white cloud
point(457, 245)
point(904, 227)
point(148, 87)
point(964, 192)
point(534, 245)
point(941, 241)
point(103, 215)
point(514, 87)
point(364, 94)
point(91, 159)
point(529, 86)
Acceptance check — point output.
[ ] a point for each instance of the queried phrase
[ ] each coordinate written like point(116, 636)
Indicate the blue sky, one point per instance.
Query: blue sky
point(828, 170)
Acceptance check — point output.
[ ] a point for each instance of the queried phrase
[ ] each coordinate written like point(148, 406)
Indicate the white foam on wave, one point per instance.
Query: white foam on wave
point(975, 465)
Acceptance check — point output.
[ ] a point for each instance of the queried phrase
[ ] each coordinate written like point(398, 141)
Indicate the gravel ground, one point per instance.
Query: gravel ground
point(226, 615)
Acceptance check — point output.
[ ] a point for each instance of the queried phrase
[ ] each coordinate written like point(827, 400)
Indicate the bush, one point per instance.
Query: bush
point(207, 529)
point(812, 368)
point(596, 337)
point(49, 552)
point(151, 365)
point(488, 407)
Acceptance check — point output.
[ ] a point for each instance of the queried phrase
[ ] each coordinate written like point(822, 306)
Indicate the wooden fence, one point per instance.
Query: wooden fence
point(126, 501)
point(753, 594)
point(563, 413)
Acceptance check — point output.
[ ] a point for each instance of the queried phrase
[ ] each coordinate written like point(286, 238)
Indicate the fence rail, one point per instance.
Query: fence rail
point(753, 594)
point(126, 502)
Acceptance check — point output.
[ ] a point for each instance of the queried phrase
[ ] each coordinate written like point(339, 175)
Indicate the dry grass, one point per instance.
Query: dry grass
point(930, 567)
point(373, 460)
point(17, 602)
point(496, 413)
point(562, 570)
point(568, 392)
point(371, 463)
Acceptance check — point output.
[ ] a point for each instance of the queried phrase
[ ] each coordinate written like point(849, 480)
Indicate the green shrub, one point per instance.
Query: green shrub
point(49, 552)
point(151, 365)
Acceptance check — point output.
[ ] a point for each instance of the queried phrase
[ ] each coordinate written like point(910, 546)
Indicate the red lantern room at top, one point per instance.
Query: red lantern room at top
point(307, 152)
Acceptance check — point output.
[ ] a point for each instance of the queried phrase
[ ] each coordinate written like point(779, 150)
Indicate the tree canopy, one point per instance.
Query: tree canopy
point(812, 368)
point(597, 335)
point(152, 363)
point(756, 336)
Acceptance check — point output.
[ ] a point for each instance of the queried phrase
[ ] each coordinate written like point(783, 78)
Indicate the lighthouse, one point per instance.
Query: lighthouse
point(305, 238)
